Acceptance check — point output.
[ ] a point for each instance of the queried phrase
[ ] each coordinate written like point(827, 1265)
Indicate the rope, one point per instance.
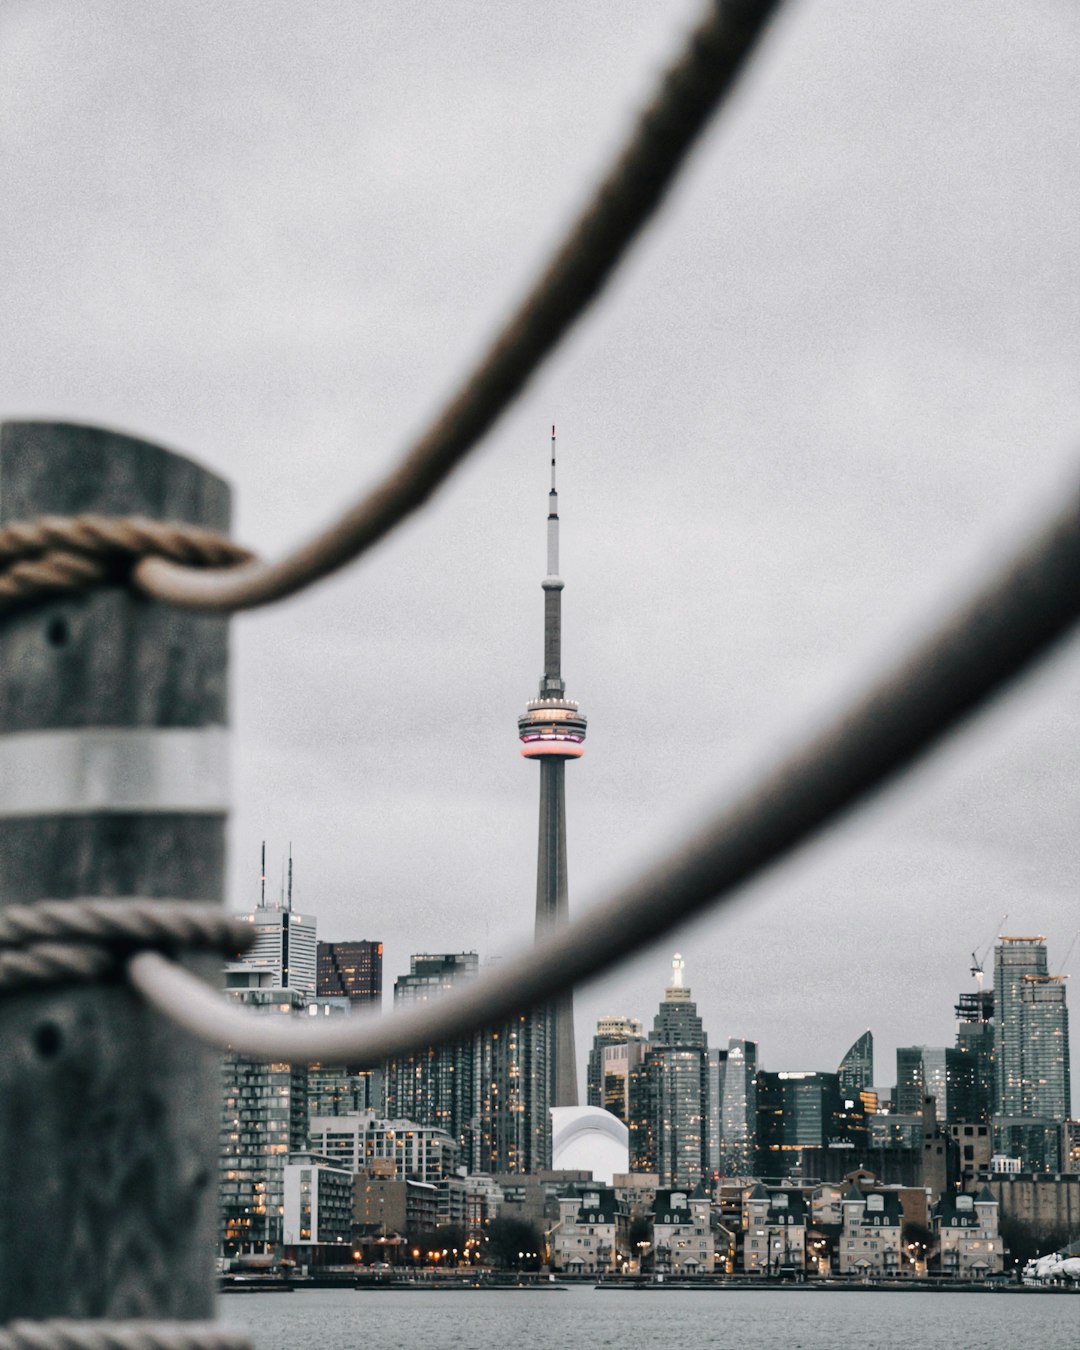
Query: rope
point(64, 1334)
point(702, 77)
point(56, 555)
point(56, 941)
point(990, 638)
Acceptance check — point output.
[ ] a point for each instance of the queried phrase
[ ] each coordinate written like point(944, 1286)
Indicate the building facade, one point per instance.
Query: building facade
point(351, 970)
point(683, 1241)
point(284, 948)
point(774, 1230)
point(318, 1208)
point(593, 1233)
point(871, 1238)
point(356, 1142)
point(969, 1244)
point(264, 1119)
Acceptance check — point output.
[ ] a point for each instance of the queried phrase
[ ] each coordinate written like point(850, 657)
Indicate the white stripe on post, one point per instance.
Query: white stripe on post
point(90, 770)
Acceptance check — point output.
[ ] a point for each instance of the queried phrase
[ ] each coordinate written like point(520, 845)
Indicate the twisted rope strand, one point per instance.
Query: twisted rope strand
point(58, 555)
point(68, 1334)
point(59, 941)
point(636, 185)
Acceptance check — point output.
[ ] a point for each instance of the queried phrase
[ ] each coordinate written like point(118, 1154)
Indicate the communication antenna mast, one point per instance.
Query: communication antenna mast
point(262, 878)
point(289, 905)
point(977, 963)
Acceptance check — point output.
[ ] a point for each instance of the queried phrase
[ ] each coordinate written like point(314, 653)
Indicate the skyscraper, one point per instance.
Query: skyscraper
point(910, 1083)
point(856, 1071)
point(1031, 1024)
point(737, 1126)
point(438, 1086)
point(552, 730)
point(284, 948)
point(975, 1041)
point(351, 970)
point(616, 1052)
point(669, 1093)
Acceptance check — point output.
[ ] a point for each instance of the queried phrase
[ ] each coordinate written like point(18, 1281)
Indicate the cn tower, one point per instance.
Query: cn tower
point(552, 730)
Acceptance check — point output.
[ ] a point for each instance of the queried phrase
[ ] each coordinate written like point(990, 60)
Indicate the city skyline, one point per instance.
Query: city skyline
point(835, 376)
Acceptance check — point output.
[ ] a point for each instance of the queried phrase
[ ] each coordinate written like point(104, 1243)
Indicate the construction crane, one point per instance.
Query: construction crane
point(1065, 959)
point(977, 963)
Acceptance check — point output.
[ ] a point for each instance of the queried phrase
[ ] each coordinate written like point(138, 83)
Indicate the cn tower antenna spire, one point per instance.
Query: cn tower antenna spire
point(552, 731)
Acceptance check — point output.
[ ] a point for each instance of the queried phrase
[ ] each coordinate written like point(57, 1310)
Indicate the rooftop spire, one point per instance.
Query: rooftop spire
point(677, 990)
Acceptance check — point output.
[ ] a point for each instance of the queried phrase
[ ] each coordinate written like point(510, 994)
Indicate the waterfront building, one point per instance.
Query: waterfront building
point(608, 1076)
point(264, 1119)
point(969, 1244)
point(552, 731)
point(1047, 1205)
point(417, 1152)
point(856, 1069)
point(683, 1242)
point(975, 1041)
point(593, 1233)
point(669, 1092)
point(318, 1209)
point(774, 1230)
point(351, 970)
point(871, 1238)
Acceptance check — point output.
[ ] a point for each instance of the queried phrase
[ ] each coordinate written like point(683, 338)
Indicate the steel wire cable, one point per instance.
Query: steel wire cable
point(999, 629)
point(695, 85)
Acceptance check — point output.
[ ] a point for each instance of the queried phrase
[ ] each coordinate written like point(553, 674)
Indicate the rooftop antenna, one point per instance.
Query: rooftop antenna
point(289, 906)
point(262, 878)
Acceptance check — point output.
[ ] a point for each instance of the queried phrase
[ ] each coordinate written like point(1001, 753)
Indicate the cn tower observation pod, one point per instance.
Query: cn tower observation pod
point(552, 728)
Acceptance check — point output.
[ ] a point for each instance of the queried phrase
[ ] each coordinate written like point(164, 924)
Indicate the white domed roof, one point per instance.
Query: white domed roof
point(588, 1139)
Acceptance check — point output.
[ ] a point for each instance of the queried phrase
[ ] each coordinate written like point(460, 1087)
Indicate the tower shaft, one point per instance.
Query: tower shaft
point(553, 731)
point(553, 911)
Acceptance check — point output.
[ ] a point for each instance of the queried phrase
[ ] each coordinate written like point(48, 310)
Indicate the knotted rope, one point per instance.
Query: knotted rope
point(60, 555)
point(55, 941)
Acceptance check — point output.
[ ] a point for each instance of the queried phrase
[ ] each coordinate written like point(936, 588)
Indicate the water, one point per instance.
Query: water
point(583, 1318)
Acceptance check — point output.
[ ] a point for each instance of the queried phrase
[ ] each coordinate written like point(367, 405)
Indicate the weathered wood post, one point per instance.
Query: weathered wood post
point(112, 783)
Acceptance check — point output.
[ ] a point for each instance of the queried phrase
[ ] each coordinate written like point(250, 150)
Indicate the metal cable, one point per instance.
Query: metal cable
point(69, 1334)
point(624, 201)
point(990, 638)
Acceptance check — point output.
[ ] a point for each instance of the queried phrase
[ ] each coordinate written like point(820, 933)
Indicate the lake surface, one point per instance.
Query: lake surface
point(781, 1319)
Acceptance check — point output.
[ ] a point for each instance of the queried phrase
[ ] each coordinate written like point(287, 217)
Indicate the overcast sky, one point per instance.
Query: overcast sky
point(836, 376)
